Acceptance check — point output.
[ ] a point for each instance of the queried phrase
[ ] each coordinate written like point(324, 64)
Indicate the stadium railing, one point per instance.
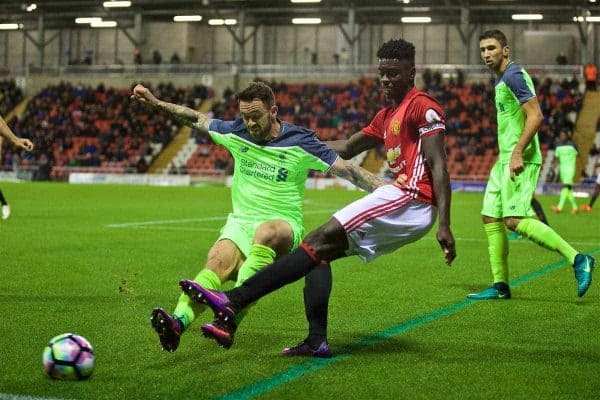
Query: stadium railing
point(283, 70)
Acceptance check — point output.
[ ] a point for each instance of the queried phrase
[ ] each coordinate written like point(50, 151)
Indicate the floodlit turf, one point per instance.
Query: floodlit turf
point(95, 260)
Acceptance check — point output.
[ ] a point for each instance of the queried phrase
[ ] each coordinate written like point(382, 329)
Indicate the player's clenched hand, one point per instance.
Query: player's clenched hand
point(24, 144)
point(401, 180)
point(143, 95)
point(446, 240)
point(516, 164)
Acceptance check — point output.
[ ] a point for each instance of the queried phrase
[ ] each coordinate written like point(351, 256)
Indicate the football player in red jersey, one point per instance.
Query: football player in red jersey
point(412, 130)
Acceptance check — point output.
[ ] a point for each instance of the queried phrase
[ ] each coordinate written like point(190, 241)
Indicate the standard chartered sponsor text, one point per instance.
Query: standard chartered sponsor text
point(257, 169)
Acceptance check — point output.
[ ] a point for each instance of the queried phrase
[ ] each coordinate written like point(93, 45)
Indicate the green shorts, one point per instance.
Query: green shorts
point(567, 174)
point(241, 232)
point(507, 198)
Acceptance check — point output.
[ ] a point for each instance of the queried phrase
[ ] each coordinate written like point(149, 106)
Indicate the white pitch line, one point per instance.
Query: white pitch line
point(189, 220)
point(165, 222)
point(154, 225)
point(8, 396)
point(175, 228)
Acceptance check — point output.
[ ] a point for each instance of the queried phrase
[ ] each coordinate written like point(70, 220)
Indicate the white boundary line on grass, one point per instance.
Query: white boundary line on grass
point(8, 396)
point(189, 220)
point(156, 225)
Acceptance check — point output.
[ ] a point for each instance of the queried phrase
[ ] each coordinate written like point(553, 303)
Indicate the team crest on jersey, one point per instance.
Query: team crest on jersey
point(395, 127)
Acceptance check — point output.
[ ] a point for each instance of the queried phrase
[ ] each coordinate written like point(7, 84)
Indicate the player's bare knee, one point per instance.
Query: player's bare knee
point(489, 220)
point(276, 234)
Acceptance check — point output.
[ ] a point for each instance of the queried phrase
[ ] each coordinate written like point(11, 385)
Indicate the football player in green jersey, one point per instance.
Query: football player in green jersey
point(272, 162)
point(512, 180)
point(566, 155)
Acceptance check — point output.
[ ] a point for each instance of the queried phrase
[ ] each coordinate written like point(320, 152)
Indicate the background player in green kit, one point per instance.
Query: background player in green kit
point(512, 180)
point(566, 155)
point(272, 161)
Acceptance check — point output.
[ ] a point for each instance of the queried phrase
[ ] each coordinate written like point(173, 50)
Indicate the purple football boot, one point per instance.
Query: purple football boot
point(221, 331)
point(303, 349)
point(168, 328)
point(217, 301)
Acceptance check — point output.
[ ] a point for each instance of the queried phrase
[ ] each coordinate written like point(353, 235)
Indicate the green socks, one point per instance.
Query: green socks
point(546, 237)
point(259, 257)
point(187, 310)
point(567, 194)
point(498, 250)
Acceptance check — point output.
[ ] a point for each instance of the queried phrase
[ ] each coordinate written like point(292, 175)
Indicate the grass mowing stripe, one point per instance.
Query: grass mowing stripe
point(266, 385)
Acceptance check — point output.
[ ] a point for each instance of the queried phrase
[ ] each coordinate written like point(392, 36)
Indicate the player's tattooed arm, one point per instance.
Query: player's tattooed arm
point(186, 115)
point(357, 175)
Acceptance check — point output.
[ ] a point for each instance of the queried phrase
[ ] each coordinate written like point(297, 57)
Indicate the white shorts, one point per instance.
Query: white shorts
point(384, 221)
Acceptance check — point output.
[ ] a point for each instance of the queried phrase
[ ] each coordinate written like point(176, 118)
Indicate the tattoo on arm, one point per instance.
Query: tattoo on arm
point(359, 176)
point(186, 115)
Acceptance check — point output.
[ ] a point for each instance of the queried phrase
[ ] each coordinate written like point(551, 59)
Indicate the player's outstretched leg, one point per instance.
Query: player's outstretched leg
point(169, 329)
point(217, 301)
point(303, 349)
point(583, 267)
point(221, 331)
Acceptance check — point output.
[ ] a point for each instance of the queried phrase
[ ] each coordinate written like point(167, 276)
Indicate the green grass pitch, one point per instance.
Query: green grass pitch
point(95, 260)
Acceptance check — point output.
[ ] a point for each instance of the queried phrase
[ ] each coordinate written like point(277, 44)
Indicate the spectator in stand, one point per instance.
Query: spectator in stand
point(142, 166)
point(156, 57)
point(561, 59)
point(590, 72)
point(175, 59)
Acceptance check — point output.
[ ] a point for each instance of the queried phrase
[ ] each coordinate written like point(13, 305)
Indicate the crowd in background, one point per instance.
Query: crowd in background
point(10, 96)
point(336, 111)
point(82, 126)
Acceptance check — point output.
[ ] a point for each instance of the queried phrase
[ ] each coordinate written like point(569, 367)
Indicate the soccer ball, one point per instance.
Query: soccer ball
point(68, 357)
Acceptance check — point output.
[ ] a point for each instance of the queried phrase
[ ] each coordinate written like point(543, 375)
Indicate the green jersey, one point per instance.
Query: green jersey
point(566, 154)
point(269, 178)
point(512, 90)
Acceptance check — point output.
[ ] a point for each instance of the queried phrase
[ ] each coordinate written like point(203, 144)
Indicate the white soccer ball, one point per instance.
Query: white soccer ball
point(69, 357)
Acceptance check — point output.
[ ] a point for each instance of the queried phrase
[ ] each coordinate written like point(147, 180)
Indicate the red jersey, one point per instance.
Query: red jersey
point(401, 130)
